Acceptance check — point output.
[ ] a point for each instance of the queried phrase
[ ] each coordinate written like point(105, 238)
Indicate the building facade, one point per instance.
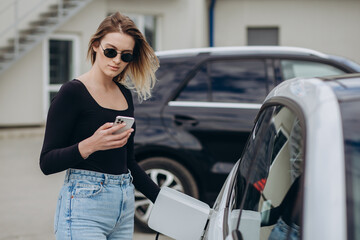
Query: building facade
point(27, 86)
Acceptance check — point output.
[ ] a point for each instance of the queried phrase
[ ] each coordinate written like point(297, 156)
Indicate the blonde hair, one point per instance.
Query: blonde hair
point(138, 74)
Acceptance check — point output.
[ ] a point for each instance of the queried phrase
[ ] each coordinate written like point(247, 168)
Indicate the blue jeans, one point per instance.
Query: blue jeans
point(95, 206)
point(281, 231)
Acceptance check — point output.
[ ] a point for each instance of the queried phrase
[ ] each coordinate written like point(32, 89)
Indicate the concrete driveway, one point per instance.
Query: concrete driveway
point(28, 198)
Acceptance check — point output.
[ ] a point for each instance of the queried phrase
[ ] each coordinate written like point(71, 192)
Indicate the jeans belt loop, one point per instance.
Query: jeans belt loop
point(131, 177)
point(106, 179)
point(67, 176)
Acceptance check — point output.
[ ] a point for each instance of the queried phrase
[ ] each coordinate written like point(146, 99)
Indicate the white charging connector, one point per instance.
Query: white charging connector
point(178, 215)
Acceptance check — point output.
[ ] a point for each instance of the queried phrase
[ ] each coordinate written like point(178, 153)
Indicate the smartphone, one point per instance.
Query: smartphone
point(129, 121)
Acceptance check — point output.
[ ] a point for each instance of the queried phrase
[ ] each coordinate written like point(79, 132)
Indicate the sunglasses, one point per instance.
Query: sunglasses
point(111, 53)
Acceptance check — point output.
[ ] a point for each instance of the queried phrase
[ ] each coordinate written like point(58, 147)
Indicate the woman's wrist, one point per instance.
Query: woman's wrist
point(85, 148)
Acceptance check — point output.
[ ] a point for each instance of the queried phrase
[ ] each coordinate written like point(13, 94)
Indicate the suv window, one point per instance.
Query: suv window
point(297, 68)
point(197, 88)
point(238, 81)
point(269, 175)
point(231, 81)
point(169, 75)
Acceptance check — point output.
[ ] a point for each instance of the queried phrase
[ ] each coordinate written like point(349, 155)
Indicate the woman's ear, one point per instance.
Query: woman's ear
point(95, 46)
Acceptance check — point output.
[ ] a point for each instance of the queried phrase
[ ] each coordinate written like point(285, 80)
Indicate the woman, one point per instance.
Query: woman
point(97, 198)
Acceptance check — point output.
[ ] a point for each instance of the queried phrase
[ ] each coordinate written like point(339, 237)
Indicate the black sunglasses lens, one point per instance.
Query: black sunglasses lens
point(110, 53)
point(127, 57)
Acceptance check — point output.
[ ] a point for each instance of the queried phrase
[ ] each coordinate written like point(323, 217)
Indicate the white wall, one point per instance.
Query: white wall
point(330, 26)
point(183, 23)
point(21, 91)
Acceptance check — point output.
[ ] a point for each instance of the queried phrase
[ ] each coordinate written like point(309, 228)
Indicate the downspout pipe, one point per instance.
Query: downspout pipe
point(211, 23)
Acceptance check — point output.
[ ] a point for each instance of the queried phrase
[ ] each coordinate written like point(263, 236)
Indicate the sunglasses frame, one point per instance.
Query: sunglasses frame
point(123, 56)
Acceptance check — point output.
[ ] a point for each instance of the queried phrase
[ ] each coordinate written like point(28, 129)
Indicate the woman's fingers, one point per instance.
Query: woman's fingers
point(104, 138)
point(120, 141)
point(111, 141)
point(106, 126)
point(116, 128)
point(122, 135)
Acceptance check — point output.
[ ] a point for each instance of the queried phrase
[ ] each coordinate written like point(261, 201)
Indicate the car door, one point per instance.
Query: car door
point(267, 189)
point(214, 110)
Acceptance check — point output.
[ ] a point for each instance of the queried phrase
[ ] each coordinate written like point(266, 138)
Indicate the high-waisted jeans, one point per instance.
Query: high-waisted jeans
point(282, 231)
point(95, 206)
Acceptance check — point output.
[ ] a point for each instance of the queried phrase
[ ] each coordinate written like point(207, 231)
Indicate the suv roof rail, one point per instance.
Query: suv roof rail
point(242, 49)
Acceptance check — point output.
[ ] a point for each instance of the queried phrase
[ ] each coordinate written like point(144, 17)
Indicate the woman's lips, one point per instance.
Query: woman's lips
point(114, 68)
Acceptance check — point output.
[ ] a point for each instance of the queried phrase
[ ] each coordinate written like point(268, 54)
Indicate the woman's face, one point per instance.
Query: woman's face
point(122, 43)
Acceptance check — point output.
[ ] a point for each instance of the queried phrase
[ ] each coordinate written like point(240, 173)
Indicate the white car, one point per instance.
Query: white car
point(298, 177)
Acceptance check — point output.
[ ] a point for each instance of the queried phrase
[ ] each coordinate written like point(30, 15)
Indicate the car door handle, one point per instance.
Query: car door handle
point(181, 119)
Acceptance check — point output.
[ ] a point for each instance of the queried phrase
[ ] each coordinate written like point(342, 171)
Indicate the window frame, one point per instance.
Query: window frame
point(296, 109)
point(47, 87)
point(140, 19)
point(249, 32)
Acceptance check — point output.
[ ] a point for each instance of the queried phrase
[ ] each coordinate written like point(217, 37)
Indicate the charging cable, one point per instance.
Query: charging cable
point(157, 236)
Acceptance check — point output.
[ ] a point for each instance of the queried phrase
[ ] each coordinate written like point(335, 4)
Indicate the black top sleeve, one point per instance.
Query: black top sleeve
point(56, 154)
point(142, 181)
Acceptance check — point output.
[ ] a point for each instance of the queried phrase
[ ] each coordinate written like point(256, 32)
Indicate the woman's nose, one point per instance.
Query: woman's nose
point(117, 59)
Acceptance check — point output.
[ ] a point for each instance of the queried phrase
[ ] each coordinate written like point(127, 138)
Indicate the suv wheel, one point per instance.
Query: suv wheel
point(164, 172)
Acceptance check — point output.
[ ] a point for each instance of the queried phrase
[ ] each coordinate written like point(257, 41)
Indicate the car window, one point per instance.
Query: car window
point(197, 89)
point(350, 112)
point(297, 68)
point(169, 75)
point(231, 81)
point(238, 81)
point(267, 188)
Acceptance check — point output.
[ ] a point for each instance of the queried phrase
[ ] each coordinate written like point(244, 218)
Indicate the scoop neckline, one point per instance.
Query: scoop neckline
point(93, 99)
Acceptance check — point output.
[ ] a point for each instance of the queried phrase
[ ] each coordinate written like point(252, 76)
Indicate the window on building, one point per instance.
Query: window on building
point(147, 24)
point(61, 60)
point(265, 36)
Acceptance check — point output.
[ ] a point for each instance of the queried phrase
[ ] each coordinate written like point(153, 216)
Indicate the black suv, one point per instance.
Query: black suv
point(193, 129)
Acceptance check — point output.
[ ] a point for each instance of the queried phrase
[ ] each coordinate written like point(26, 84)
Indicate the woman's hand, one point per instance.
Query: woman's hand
point(104, 139)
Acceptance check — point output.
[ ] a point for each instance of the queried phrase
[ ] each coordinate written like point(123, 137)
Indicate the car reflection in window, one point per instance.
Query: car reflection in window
point(267, 187)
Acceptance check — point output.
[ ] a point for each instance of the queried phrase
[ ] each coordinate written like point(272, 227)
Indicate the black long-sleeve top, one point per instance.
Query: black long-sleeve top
point(74, 115)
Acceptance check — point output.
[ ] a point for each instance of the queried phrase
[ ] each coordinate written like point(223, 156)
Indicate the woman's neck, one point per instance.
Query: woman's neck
point(96, 78)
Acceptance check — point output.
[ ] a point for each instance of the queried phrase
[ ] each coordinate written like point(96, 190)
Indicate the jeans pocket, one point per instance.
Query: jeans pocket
point(84, 190)
point(57, 214)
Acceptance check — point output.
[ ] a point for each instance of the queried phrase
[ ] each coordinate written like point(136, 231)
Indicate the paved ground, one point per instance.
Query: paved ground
point(28, 198)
